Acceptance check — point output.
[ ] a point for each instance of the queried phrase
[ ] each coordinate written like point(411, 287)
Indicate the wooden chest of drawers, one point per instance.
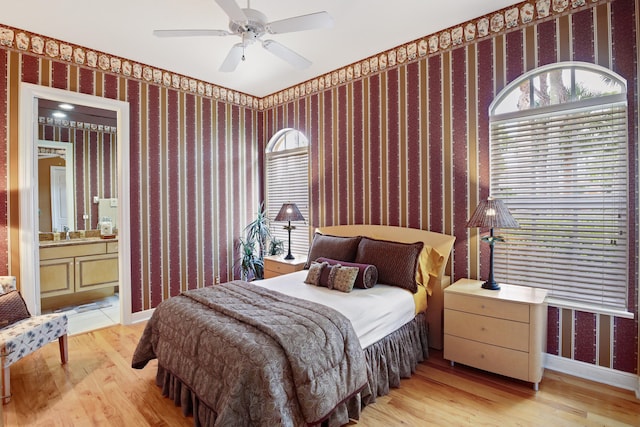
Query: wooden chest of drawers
point(276, 265)
point(498, 331)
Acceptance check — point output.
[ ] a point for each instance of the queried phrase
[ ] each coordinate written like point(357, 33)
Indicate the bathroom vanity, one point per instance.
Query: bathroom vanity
point(72, 268)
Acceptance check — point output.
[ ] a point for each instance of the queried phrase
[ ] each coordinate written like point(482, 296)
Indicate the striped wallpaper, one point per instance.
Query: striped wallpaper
point(195, 174)
point(409, 146)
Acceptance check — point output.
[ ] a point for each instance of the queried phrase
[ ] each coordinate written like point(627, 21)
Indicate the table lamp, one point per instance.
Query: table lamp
point(289, 212)
point(492, 213)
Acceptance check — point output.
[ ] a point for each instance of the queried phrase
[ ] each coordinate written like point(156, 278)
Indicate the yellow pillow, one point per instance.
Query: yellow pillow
point(429, 265)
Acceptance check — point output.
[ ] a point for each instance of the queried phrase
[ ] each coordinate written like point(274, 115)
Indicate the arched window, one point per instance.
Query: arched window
point(559, 142)
point(287, 181)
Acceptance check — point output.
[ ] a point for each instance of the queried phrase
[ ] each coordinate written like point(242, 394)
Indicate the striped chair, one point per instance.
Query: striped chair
point(26, 336)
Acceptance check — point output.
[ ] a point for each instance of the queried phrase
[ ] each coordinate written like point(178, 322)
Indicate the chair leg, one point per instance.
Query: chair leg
point(6, 385)
point(64, 352)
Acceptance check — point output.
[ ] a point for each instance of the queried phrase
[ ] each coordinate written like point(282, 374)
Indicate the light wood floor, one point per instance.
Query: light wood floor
point(98, 387)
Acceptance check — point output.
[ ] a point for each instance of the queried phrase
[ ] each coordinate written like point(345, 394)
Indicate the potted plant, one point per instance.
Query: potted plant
point(276, 246)
point(253, 246)
point(251, 265)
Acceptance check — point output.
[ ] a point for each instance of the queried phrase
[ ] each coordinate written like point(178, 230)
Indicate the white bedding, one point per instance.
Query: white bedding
point(374, 313)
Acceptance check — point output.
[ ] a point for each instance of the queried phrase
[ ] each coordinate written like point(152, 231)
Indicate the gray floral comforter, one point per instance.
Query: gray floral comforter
point(255, 356)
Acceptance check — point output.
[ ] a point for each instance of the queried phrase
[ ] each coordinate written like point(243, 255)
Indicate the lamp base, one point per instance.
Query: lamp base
point(289, 256)
point(492, 285)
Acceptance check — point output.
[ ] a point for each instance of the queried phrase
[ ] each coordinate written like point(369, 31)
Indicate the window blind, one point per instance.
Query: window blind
point(563, 174)
point(287, 181)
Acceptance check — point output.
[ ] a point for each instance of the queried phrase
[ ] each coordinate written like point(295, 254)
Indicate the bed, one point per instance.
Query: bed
point(284, 352)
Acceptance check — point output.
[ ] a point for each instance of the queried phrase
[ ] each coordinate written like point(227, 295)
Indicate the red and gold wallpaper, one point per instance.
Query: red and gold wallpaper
point(409, 146)
point(401, 138)
point(195, 171)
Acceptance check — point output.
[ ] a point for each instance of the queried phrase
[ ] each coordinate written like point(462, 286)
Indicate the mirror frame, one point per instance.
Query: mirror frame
point(69, 162)
point(27, 192)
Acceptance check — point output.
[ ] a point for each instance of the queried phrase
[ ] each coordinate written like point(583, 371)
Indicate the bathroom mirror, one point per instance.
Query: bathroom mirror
point(77, 166)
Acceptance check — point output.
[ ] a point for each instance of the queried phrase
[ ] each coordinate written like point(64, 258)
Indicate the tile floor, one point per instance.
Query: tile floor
point(87, 317)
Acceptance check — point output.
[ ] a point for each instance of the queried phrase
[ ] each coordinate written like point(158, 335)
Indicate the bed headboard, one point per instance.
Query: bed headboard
point(443, 243)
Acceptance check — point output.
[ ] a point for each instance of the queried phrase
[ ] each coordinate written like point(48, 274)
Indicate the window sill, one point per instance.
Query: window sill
point(589, 308)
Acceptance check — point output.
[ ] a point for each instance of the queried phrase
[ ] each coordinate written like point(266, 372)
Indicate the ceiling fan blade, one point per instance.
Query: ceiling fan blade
point(190, 33)
point(301, 23)
point(286, 54)
point(233, 58)
point(232, 9)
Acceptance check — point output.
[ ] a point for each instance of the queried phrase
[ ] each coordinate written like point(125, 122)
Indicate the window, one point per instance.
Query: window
point(559, 162)
point(287, 181)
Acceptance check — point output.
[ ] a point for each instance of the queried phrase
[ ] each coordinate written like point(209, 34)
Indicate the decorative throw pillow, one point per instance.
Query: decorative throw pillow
point(332, 275)
point(12, 308)
point(334, 247)
point(342, 278)
point(396, 262)
point(367, 273)
point(429, 265)
point(315, 270)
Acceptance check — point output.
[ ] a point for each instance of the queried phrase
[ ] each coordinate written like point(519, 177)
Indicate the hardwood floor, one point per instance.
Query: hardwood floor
point(98, 387)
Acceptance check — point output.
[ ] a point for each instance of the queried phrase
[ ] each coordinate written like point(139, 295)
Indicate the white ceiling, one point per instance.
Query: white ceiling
point(123, 28)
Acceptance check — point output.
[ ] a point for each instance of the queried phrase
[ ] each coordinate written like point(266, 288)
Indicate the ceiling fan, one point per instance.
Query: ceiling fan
point(251, 25)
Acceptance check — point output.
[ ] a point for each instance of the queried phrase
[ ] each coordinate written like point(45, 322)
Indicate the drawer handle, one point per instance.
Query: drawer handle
point(482, 306)
point(482, 356)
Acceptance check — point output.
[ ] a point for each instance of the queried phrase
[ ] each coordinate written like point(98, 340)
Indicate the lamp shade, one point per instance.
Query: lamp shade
point(289, 212)
point(492, 213)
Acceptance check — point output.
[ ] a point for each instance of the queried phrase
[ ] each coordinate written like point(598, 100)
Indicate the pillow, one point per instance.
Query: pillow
point(429, 265)
point(396, 262)
point(315, 270)
point(342, 278)
point(334, 247)
point(12, 308)
point(367, 273)
point(333, 270)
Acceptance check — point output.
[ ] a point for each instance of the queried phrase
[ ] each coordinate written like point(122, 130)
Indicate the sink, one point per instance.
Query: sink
point(70, 241)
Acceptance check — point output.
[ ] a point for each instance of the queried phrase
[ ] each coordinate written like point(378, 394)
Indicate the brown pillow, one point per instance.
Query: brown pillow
point(367, 273)
point(12, 308)
point(396, 262)
point(334, 247)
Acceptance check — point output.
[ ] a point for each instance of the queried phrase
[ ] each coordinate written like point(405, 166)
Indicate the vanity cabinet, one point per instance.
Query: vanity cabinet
point(57, 276)
point(67, 268)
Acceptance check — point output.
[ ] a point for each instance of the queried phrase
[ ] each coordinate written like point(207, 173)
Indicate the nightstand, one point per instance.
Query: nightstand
point(500, 331)
point(276, 265)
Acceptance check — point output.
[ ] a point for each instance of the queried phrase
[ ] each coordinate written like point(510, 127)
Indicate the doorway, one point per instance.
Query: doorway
point(59, 197)
point(30, 95)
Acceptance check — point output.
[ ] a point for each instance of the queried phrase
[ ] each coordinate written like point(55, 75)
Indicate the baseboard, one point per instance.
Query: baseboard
point(141, 316)
point(595, 373)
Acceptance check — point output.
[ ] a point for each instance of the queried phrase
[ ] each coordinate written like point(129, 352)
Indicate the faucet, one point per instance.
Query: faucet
point(66, 232)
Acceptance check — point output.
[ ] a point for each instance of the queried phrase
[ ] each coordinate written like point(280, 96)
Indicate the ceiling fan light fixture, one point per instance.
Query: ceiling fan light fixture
point(255, 23)
point(251, 25)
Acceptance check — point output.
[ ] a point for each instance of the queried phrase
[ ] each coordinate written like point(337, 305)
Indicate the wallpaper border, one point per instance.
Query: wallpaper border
point(484, 27)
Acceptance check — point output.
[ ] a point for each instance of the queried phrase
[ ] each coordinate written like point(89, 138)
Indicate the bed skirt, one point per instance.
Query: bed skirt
point(388, 360)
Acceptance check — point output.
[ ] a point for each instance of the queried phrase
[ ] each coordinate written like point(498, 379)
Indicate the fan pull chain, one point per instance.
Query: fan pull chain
point(243, 46)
